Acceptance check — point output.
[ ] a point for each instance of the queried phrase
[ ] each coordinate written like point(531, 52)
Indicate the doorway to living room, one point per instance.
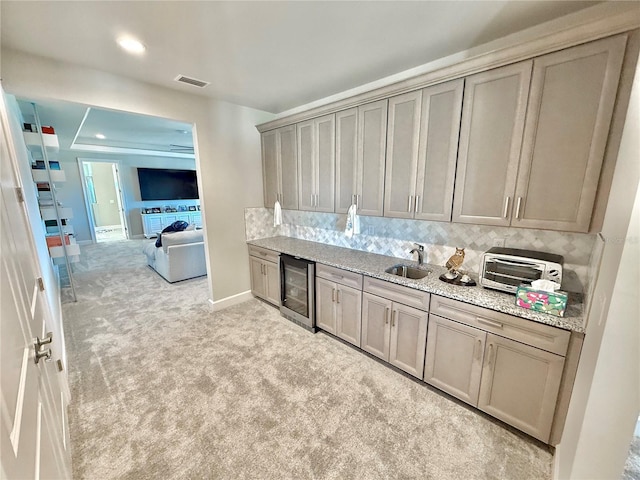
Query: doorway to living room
point(104, 200)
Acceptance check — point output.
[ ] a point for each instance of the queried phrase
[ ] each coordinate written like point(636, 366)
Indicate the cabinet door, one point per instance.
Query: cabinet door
point(272, 283)
point(184, 217)
point(408, 339)
point(306, 171)
point(325, 163)
point(168, 219)
point(376, 315)
point(325, 305)
point(520, 385)
point(152, 224)
point(454, 358)
point(346, 158)
point(348, 314)
point(438, 152)
point(288, 170)
point(402, 155)
point(270, 167)
point(570, 106)
point(372, 135)
point(491, 130)
point(258, 287)
point(196, 219)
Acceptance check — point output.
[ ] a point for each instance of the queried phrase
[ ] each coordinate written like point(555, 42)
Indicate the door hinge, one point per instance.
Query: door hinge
point(19, 194)
point(40, 284)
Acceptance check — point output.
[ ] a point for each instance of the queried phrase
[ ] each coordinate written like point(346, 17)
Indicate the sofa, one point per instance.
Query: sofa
point(180, 257)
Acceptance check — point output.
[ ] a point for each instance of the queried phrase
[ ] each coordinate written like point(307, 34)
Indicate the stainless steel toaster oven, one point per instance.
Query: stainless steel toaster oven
point(507, 268)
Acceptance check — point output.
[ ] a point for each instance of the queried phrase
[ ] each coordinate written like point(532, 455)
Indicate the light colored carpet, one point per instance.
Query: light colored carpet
point(163, 388)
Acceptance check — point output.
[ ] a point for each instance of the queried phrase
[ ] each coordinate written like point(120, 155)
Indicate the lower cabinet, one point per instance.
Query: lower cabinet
point(339, 310)
point(520, 385)
point(513, 381)
point(394, 332)
point(454, 358)
point(339, 302)
point(265, 274)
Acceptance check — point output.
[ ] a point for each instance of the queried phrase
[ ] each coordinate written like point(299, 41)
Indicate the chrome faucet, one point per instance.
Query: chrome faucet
point(420, 251)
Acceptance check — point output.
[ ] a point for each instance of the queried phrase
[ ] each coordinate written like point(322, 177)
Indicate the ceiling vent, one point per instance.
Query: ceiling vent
point(191, 81)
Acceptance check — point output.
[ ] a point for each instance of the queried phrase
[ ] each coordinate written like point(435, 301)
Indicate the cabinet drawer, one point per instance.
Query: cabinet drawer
point(545, 337)
point(397, 293)
point(264, 253)
point(343, 277)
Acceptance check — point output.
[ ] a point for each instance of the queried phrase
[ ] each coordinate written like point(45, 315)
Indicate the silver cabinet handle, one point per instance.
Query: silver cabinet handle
point(386, 315)
point(518, 208)
point(491, 323)
point(353, 199)
point(479, 350)
point(393, 318)
point(333, 294)
point(415, 207)
point(338, 295)
point(313, 200)
point(490, 355)
point(410, 202)
point(357, 202)
point(506, 207)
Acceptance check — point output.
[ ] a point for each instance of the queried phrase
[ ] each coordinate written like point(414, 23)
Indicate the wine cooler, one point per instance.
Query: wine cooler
point(297, 277)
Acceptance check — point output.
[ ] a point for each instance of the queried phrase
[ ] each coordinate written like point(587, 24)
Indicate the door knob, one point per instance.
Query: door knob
point(46, 354)
point(39, 353)
point(45, 341)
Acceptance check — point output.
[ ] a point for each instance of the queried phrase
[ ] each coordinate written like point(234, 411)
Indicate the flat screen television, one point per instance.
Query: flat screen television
point(166, 184)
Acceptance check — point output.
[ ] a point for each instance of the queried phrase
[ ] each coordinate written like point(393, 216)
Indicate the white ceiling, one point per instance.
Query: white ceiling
point(268, 55)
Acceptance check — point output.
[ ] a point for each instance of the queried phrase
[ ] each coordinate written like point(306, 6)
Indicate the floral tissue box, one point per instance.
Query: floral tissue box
point(553, 303)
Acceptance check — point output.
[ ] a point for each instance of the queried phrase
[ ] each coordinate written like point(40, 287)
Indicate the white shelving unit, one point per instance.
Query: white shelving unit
point(44, 148)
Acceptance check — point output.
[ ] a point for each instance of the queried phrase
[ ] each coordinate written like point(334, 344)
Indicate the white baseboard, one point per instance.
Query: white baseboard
point(230, 301)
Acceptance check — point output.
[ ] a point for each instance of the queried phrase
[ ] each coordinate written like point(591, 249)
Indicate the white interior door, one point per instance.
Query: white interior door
point(33, 433)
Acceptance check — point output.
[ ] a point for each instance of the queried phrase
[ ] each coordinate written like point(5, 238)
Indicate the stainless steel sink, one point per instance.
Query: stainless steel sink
point(408, 271)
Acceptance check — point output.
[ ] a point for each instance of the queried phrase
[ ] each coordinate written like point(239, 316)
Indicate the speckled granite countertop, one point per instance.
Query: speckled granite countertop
point(374, 265)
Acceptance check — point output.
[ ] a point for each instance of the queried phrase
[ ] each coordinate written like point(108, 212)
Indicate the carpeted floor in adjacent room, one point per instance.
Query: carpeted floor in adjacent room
point(163, 388)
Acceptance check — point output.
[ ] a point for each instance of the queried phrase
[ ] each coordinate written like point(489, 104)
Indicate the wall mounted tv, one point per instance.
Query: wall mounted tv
point(165, 184)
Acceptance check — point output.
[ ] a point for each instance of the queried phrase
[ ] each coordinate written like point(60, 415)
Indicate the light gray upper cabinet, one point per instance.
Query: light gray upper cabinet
point(316, 160)
point(280, 167)
point(403, 133)
point(571, 101)
point(270, 169)
point(422, 148)
point(491, 132)
point(346, 158)
point(362, 132)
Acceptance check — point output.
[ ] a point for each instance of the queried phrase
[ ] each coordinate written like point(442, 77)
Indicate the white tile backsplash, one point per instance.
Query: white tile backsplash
point(395, 237)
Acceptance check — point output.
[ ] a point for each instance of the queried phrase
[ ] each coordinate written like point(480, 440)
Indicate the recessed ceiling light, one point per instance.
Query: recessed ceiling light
point(131, 45)
point(100, 136)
